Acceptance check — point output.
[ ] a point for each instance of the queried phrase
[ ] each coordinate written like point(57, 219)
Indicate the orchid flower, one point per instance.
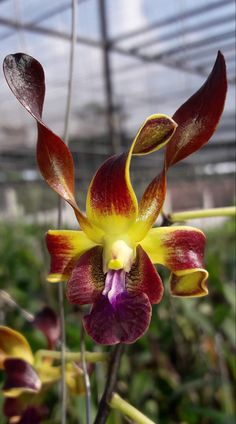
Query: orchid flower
point(109, 261)
point(25, 373)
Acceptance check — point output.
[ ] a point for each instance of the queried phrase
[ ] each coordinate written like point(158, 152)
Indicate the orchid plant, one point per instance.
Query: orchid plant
point(30, 374)
point(109, 261)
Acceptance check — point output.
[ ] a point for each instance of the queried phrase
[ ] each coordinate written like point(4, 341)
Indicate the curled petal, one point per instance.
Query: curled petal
point(181, 249)
point(87, 278)
point(25, 77)
point(125, 323)
point(111, 201)
point(21, 377)
point(65, 248)
point(143, 278)
point(198, 117)
point(189, 283)
point(47, 321)
point(13, 345)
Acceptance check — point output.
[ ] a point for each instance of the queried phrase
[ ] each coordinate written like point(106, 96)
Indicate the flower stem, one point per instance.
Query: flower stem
point(91, 357)
point(104, 407)
point(202, 213)
point(66, 140)
point(86, 377)
point(128, 410)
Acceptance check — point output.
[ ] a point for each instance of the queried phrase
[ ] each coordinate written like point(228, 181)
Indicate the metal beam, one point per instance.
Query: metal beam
point(48, 32)
point(172, 19)
point(160, 59)
point(183, 31)
point(60, 9)
point(196, 55)
point(108, 79)
point(195, 44)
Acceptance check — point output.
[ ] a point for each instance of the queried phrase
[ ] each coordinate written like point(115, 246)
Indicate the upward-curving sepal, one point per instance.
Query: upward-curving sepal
point(111, 201)
point(25, 77)
point(198, 117)
point(13, 345)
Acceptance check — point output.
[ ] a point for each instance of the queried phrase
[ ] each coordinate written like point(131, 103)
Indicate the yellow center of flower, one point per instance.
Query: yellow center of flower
point(118, 255)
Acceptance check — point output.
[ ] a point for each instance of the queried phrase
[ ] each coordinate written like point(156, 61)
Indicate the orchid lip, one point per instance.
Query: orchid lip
point(114, 285)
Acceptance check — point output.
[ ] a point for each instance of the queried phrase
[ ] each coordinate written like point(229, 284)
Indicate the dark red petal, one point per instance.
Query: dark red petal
point(184, 249)
point(87, 278)
point(155, 132)
point(20, 374)
point(198, 117)
point(111, 196)
point(47, 322)
point(125, 323)
point(151, 204)
point(25, 77)
point(12, 407)
point(144, 278)
point(33, 415)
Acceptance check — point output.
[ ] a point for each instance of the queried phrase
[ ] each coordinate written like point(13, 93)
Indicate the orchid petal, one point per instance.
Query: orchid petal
point(14, 345)
point(189, 283)
point(198, 117)
point(21, 377)
point(49, 374)
point(124, 323)
point(87, 278)
point(48, 322)
point(144, 278)
point(149, 207)
point(25, 77)
point(111, 201)
point(75, 379)
point(33, 414)
point(181, 249)
point(12, 407)
point(65, 248)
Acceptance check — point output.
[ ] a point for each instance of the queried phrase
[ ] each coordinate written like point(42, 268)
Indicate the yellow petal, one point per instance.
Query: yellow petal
point(180, 249)
point(189, 283)
point(111, 201)
point(65, 248)
point(14, 345)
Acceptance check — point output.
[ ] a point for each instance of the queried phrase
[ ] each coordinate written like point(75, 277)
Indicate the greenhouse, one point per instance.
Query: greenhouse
point(117, 212)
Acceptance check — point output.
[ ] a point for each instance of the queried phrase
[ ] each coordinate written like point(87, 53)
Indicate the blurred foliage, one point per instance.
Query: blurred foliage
point(182, 371)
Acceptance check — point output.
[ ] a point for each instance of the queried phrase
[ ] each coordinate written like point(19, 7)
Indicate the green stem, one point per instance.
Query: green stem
point(91, 357)
point(202, 213)
point(130, 411)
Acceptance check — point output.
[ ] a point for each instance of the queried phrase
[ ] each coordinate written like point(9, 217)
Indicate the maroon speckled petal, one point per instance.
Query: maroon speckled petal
point(144, 278)
point(123, 322)
point(47, 321)
point(87, 278)
point(20, 374)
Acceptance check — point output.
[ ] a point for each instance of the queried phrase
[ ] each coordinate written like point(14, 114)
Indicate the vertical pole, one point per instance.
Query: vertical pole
point(113, 139)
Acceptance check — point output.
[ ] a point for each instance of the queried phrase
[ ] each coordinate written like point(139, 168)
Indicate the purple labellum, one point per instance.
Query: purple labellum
point(118, 316)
